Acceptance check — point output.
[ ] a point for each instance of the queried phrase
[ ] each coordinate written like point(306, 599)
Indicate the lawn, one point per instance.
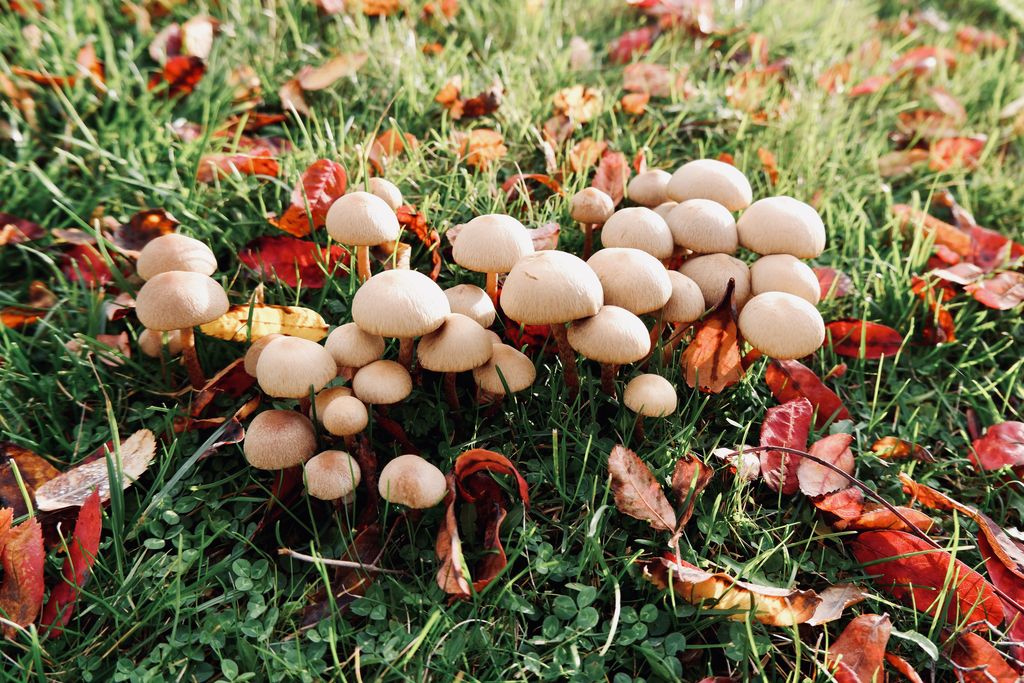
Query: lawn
point(188, 582)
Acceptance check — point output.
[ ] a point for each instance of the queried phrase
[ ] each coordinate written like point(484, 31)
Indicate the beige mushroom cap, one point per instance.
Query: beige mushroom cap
point(175, 252)
point(472, 302)
point(388, 191)
point(289, 367)
point(362, 219)
point(712, 274)
point(278, 439)
point(614, 336)
point(591, 205)
point(782, 326)
point(782, 225)
point(255, 350)
point(151, 342)
point(785, 273)
point(493, 336)
point(639, 228)
point(460, 344)
point(345, 416)
point(650, 396)
point(649, 188)
point(492, 243)
point(711, 179)
point(331, 475)
point(411, 481)
point(687, 301)
point(325, 397)
point(351, 347)
point(665, 208)
point(704, 226)
point(516, 368)
point(382, 382)
point(551, 287)
point(177, 300)
point(400, 303)
point(631, 279)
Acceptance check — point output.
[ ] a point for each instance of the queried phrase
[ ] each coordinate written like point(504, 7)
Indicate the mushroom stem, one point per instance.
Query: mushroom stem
point(568, 358)
point(449, 390)
point(363, 263)
point(405, 352)
point(492, 287)
point(305, 405)
point(657, 330)
point(588, 240)
point(608, 373)
point(638, 427)
point(188, 353)
point(350, 442)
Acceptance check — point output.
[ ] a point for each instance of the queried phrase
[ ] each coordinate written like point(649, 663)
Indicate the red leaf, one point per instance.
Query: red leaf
point(222, 164)
point(815, 479)
point(1002, 445)
point(14, 230)
point(950, 153)
point(1002, 292)
point(612, 175)
point(321, 184)
point(869, 86)
point(791, 379)
point(1010, 583)
point(416, 222)
point(787, 425)
point(977, 661)
point(85, 543)
point(22, 557)
point(291, 261)
point(884, 518)
point(903, 667)
point(990, 250)
point(923, 60)
point(181, 74)
point(632, 44)
point(478, 460)
point(845, 338)
point(637, 491)
point(844, 504)
point(861, 647)
point(834, 283)
point(83, 263)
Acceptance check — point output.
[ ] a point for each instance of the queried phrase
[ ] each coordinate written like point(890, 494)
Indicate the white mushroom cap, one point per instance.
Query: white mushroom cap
point(388, 191)
point(687, 301)
point(515, 367)
point(400, 303)
point(650, 395)
point(782, 225)
point(493, 336)
point(472, 302)
point(289, 367)
point(460, 344)
point(551, 287)
point(712, 274)
point(711, 179)
point(325, 397)
point(331, 475)
point(252, 354)
point(151, 342)
point(704, 226)
point(492, 243)
point(591, 205)
point(352, 347)
point(362, 219)
point(177, 300)
point(785, 273)
point(640, 228)
point(411, 481)
point(613, 336)
point(665, 208)
point(277, 439)
point(631, 278)
point(382, 382)
point(345, 416)
point(782, 326)
point(649, 188)
point(175, 252)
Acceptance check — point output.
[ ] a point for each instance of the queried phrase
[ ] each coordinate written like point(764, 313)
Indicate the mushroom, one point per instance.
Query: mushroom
point(631, 279)
point(649, 188)
point(175, 252)
point(252, 355)
point(278, 439)
point(712, 274)
point(459, 345)
point(364, 220)
point(782, 225)
point(508, 370)
point(650, 396)
point(612, 337)
point(388, 191)
point(331, 475)
point(685, 305)
point(345, 416)
point(553, 288)
point(665, 208)
point(472, 302)
point(785, 273)
point(292, 367)
point(703, 226)
point(352, 348)
point(782, 326)
point(591, 208)
point(639, 228)
point(411, 481)
point(180, 300)
point(151, 342)
point(325, 397)
point(491, 244)
point(382, 382)
point(400, 303)
point(711, 179)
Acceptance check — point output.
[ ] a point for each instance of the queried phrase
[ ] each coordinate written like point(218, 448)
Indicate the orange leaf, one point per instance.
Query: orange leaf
point(977, 661)
point(220, 165)
point(860, 648)
point(712, 361)
point(22, 557)
point(579, 103)
point(612, 175)
point(331, 71)
point(771, 166)
point(635, 103)
point(479, 147)
point(585, 153)
point(180, 74)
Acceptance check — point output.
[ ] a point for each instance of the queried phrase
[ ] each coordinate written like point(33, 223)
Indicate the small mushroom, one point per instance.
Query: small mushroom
point(782, 326)
point(472, 302)
point(363, 220)
point(292, 367)
point(491, 244)
point(782, 225)
point(331, 475)
point(382, 382)
point(325, 397)
point(612, 337)
point(278, 439)
point(507, 367)
point(703, 226)
point(711, 179)
point(649, 188)
point(712, 274)
point(685, 305)
point(252, 355)
point(175, 252)
point(411, 481)
point(352, 347)
point(388, 191)
point(639, 228)
point(785, 273)
point(152, 342)
point(631, 279)
point(665, 208)
point(345, 416)
point(459, 345)
point(591, 208)
point(650, 396)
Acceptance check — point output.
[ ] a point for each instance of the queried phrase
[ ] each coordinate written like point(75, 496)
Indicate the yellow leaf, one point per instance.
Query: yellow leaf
point(243, 322)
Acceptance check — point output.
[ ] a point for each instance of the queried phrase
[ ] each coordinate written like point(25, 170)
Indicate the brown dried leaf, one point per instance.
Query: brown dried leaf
point(330, 72)
point(580, 104)
point(689, 478)
point(637, 493)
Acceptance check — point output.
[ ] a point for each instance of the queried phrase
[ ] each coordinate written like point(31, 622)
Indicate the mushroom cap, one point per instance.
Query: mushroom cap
point(460, 344)
point(687, 301)
point(591, 205)
point(178, 299)
point(491, 243)
point(278, 439)
point(255, 350)
point(325, 397)
point(388, 191)
point(411, 481)
point(782, 326)
point(650, 395)
point(493, 336)
point(639, 228)
point(289, 367)
point(516, 368)
point(613, 336)
point(362, 219)
point(175, 252)
point(665, 208)
point(331, 475)
point(631, 278)
point(704, 226)
point(151, 342)
point(711, 179)
point(785, 273)
point(551, 287)
point(472, 302)
point(712, 274)
point(782, 225)
point(345, 416)
point(351, 347)
point(649, 188)
point(382, 382)
point(400, 303)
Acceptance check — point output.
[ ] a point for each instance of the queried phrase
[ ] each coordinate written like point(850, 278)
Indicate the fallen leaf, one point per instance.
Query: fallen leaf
point(869, 86)
point(179, 76)
point(585, 153)
point(22, 557)
point(1002, 292)
point(655, 80)
point(1002, 445)
point(977, 661)
point(901, 162)
point(40, 300)
point(632, 44)
point(480, 146)
point(860, 648)
point(292, 97)
point(903, 667)
point(922, 61)
point(835, 77)
point(452, 573)
point(82, 550)
point(143, 227)
point(689, 478)
point(34, 470)
point(770, 164)
point(846, 337)
point(390, 145)
point(788, 426)
point(14, 230)
point(581, 104)
point(83, 263)
point(817, 480)
point(1009, 582)
point(546, 236)
point(348, 583)
point(557, 130)
point(513, 183)
point(321, 184)
point(245, 322)
point(834, 600)
point(945, 235)
point(712, 361)
point(293, 261)
point(884, 518)
point(330, 72)
point(893, 448)
point(635, 104)
point(478, 460)
point(834, 284)
point(380, 8)
point(487, 102)
point(197, 36)
point(957, 152)
point(791, 379)
point(413, 221)
point(844, 504)
point(637, 493)
point(223, 164)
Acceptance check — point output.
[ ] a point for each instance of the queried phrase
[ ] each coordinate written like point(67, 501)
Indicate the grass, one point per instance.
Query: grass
point(186, 593)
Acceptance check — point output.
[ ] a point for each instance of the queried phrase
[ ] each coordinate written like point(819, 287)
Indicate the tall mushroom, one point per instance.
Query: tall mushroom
point(612, 337)
point(332, 475)
point(352, 347)
point(782, 326)
point(278, 439)
point(459, 345)
point(711, 179)
point(472, 302)
point(292, 367)
point(175, 252)
point(411, 481)
point(591, 208)
point(649, 188)
point(363, 220)
point(491, 244)
point(631, 279)
point(640, 228)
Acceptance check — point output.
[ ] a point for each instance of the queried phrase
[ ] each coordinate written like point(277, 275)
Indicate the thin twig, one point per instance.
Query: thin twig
point(336, 563)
